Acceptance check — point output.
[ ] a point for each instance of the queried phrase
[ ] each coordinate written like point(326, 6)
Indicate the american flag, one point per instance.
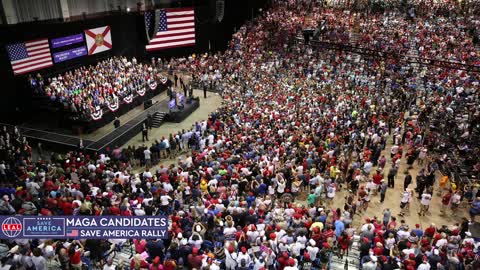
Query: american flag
point(72, 233)
point(150, 23)
point(28, 56)
point(176, 28)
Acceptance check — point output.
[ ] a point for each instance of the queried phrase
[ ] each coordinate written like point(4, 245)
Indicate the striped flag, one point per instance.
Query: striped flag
point(150, 24)
point(28, 56)
point(176, 28)
point(72, 233)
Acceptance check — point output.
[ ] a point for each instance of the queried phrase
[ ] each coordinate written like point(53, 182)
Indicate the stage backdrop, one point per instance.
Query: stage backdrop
point(128, 37)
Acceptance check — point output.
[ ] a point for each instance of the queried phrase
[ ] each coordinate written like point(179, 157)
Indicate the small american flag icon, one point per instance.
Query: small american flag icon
point(72, 233)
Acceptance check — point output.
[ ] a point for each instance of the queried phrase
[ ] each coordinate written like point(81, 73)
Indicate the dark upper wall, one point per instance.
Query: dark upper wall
point(128, 38)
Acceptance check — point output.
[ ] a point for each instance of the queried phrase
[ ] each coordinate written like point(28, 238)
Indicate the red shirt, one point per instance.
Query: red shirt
point(51, 203)
point(446, 199)
point(195, 261)
point(67, 208)
point(114, 211)
point(143, 264)
point(76, 258)
point(430, 231)
point(377, 178)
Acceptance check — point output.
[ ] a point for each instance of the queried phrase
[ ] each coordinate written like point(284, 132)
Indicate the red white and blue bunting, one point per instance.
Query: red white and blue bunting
point(97, 113)
point(153, 85)
point(113, 104)
point(141, 91)
point(128, 99)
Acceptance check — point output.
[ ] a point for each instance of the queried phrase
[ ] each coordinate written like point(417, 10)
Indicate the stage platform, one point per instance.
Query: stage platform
point(64, 119)
point(178, 115)
point(61, 140)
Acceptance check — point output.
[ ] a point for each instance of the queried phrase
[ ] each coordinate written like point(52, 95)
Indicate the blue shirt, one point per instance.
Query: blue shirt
point(339, 228)
point(418, 232)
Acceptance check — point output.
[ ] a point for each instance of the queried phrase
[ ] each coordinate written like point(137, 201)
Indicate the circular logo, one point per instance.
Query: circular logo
point(99, 39)
point(11, 227)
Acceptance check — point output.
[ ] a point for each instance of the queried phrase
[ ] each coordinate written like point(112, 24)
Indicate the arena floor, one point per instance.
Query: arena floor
point(393, 196)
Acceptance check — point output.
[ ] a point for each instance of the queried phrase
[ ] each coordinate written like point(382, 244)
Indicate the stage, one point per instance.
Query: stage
point(74, 125)
point(61, 139)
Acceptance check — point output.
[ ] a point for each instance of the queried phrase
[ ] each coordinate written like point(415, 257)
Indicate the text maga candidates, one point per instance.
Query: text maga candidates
point(84, 227)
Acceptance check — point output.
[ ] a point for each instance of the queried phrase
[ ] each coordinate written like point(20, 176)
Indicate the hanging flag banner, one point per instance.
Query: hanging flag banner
point(84, 227)
point(65, 41)
point(175, 27)
point(98, 39)
point(220, 10)
point(69, 54)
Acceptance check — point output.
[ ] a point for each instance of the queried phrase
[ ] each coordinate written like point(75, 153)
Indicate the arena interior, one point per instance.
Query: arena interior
point(270, 134)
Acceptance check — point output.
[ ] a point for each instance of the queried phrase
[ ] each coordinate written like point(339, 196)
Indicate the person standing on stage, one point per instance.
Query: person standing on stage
point(184, 87)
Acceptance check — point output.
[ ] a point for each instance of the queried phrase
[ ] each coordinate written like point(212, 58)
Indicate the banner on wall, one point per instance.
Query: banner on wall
point(66, 41)
point(98, 39)
point(69, 54)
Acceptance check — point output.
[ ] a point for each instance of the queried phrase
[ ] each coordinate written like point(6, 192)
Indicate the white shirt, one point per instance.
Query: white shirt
point(442, 242)
point(456, 198)
point(405, 197)
point(281, 187)
point(147, 153)
point(424, 266)
point(389, 242)
point(111, 267)
point(167, 143)
point(165, 199)
point(252, 235)
point(230, 258)
point(403, 234)
point(242, 256)
point(167, 187)
point(368, 166)
point(426, 198)
point(147, 174)
point(331, 192)
point(295, 249)
point(229, 231)
point(312, 251)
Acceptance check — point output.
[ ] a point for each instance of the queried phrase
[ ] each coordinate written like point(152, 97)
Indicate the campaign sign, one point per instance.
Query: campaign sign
point(43, 227)
point(84, 227)
point(65, 41)
point(69, 54)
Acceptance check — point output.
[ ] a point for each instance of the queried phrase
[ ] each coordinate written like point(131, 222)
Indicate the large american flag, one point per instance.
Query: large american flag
point(28, 56)
point(176, 28)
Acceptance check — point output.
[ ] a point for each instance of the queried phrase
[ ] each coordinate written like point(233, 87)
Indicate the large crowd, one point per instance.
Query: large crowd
point(256, 184)
point(446, 38)
point(87, 89)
